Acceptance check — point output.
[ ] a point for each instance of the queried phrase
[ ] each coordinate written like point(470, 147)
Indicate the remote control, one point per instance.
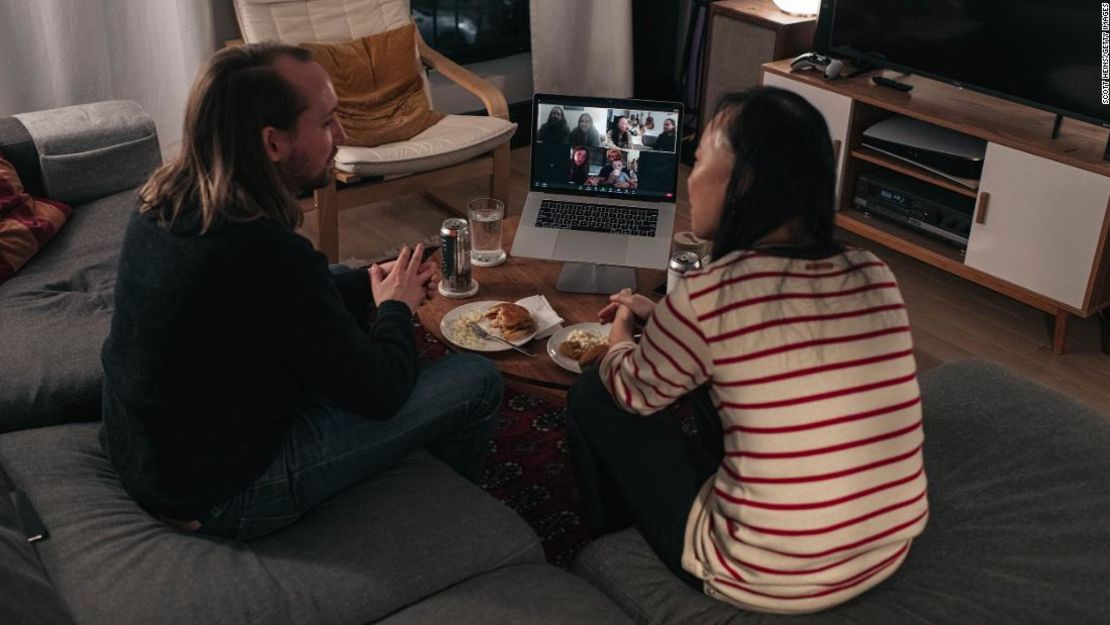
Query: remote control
point(893, 84)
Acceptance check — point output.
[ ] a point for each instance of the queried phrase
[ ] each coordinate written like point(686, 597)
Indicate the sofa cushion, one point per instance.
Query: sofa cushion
point(393, 540)
point(454, 139)
point(1018, 530)
point(58, 308)
point(537, 594)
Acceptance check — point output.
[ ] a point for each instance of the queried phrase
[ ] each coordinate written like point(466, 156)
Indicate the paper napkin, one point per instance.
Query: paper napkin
point(547, 320)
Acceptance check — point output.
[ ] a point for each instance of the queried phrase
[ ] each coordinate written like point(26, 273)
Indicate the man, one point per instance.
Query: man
point(243, 382)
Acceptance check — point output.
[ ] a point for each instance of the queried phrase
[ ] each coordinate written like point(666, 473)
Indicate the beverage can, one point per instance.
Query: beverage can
point(681, 262)
point(455, 259)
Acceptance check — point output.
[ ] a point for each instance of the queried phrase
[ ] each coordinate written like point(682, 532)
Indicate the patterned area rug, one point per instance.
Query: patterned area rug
point(528, 466)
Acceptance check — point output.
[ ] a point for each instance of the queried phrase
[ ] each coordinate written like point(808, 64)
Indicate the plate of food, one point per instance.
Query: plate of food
point(579, 345)
point(509, 321)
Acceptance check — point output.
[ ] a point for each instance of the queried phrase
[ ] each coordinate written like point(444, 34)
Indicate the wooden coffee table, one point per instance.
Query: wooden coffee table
point(519, 278)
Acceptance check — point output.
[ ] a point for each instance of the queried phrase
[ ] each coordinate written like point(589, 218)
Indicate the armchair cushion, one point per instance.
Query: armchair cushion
point(381, 95)
point(454, 139)
point(323, 21)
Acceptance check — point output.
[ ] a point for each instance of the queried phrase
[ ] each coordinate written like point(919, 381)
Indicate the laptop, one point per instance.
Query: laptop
point(600, 192)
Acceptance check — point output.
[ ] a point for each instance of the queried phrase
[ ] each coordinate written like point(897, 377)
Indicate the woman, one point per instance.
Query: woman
point(554, 130)
point(805, 485)
point(585, 134)
point(668, 138)
point(579, 166)
point(620, 135)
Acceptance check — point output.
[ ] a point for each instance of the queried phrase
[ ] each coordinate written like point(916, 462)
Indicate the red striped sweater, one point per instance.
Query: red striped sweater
point(811, 367)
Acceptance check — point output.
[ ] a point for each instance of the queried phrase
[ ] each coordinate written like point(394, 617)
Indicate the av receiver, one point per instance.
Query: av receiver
point(917, 205)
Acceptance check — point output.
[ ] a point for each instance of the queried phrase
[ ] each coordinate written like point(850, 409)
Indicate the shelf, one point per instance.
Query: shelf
point(912, 171)
point(937, 254)
point(904, 240)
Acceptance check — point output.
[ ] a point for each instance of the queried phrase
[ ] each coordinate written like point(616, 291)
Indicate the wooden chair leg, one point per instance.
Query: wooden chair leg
point(1104, 329)
point(1057, 326)
point(327, 221)
point(499, 180)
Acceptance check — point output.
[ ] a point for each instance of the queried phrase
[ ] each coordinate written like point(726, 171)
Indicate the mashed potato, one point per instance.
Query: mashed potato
point(587, 339)
point(463, 336)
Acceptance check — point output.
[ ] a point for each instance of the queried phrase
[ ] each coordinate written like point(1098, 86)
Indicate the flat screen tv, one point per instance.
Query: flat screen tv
point(1049, 54)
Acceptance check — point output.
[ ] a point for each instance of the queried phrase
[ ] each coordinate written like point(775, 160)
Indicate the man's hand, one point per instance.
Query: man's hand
point(639, 306)
point(405, 279)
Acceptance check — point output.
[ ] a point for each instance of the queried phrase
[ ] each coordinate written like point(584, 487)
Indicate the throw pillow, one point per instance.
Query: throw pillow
point(26, 224)
point(380, 89)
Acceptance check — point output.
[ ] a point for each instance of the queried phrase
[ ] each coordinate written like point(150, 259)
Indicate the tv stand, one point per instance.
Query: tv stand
point(1042, 211)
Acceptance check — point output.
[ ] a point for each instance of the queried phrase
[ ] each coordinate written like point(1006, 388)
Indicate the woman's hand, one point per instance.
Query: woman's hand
point(624, 322)
point(639, 306)
point(406, 279)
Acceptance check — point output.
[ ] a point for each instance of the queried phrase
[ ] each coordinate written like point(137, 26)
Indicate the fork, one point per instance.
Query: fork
point(482, 334)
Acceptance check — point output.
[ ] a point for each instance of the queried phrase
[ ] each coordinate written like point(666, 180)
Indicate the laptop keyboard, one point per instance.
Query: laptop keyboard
point(639, 222)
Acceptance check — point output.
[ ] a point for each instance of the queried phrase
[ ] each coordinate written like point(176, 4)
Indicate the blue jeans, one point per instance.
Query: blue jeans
point(452, 413)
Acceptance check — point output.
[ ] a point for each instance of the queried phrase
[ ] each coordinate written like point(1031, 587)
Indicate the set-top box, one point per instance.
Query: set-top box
point(931, 210)
point(953, 155)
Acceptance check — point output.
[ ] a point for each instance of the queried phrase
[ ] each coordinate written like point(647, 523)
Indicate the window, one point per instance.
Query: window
point(468, 31)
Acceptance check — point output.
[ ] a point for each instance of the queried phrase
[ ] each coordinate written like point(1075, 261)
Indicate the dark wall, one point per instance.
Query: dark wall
point(223, 21)
point(658, 38)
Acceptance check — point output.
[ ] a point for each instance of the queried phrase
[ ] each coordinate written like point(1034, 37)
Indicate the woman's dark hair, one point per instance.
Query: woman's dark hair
point(620, 139)
point(579, 173)
point(784, 173)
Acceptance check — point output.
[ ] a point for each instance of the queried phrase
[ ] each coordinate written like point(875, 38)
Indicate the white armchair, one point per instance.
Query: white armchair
point(456, 148)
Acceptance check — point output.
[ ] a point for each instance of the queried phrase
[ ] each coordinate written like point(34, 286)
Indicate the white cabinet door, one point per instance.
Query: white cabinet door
point(1041, 226)
point(836, 108)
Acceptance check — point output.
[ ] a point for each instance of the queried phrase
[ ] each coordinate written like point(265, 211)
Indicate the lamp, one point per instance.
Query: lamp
point(799, 7)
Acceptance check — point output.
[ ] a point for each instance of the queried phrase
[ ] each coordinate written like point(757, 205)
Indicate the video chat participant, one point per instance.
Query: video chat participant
point(554, 130)
point(620, 136)
point(579, 166)
point(585, 133)
point(668, 139)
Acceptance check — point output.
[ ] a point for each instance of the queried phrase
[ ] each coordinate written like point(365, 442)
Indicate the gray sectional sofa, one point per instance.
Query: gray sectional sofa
point(1019, 525)
point(417, 544)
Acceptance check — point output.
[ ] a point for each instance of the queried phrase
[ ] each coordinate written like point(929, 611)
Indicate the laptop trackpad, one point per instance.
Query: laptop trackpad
point(591, 247)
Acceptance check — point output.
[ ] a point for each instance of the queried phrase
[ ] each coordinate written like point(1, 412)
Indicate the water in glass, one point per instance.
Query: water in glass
point(486, 215)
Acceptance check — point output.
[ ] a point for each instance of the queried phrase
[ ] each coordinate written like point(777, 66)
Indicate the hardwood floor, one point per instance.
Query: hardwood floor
point(951, 318)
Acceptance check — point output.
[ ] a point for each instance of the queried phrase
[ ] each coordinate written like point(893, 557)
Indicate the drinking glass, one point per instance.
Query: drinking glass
point(486, 215)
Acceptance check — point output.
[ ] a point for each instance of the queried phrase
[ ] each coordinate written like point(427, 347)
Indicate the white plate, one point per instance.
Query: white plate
point(480, 345)
point(571, 364)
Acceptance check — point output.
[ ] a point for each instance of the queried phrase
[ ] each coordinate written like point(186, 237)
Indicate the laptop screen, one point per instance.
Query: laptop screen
point(606, 147)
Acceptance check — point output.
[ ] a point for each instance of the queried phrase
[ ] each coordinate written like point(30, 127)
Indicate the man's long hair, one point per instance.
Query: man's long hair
point(222, 163)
